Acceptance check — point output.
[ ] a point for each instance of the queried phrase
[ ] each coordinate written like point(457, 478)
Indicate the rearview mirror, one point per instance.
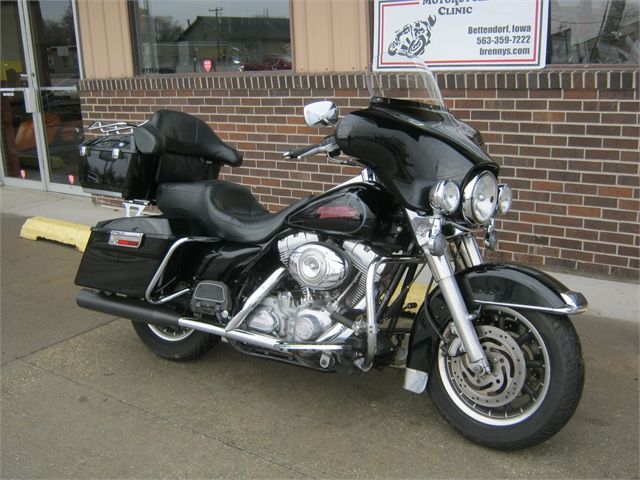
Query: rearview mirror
point(321, 114)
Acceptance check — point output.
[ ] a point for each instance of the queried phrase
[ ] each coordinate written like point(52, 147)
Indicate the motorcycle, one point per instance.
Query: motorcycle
point(412, 39)
point(323, 283)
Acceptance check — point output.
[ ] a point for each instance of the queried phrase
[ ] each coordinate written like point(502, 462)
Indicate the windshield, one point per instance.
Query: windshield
point(414, 81)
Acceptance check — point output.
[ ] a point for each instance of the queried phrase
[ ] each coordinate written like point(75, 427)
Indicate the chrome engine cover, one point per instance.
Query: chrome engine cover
point(283, 317)
point(318, 266)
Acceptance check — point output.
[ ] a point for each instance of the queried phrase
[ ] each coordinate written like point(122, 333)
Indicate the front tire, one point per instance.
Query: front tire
point(533, 390)
point(175, 343)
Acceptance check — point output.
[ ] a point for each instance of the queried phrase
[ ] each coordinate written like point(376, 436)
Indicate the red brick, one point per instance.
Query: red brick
point(580, 94)
point(617, 192)
point(578, 211)
point(516, 116)
point(551, 208)
point(621, 143)
point(566, 243)
point(598, 201)
point(611, 260)
point(600, 106)
point(535, 218)
point(549, 117)
point(620, 118)
point(599, 247)
point(619, 238)
point(620, 215)
point(550, 140)
point(564, 106)
point(547, 186)
point(577, 255)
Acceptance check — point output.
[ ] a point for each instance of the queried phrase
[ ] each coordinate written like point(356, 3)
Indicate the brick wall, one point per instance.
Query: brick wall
point(567, 142)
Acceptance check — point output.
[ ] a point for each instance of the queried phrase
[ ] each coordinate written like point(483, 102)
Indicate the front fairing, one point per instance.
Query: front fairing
point(411, 146)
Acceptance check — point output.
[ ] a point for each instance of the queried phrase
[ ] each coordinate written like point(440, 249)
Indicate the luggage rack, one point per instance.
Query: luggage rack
point(116, 128)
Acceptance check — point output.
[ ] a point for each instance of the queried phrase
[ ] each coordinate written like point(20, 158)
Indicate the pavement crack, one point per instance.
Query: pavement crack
point(171, 421)
point(62, 340)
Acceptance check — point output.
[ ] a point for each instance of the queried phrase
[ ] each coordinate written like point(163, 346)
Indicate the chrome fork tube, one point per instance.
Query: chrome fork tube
point(443, 273)
point(470, 251)
point(462, 319)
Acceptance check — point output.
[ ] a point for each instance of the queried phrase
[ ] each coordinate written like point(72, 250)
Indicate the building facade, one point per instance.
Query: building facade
point(566, 136)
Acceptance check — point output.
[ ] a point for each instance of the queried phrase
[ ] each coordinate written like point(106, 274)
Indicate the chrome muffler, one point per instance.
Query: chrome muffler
point(142, 312)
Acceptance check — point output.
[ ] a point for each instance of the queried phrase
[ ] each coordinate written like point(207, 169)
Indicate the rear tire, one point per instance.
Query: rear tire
point(533, 391)
point(176, 344)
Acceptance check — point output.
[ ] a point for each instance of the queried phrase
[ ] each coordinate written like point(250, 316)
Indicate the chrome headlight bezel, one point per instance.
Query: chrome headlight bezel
point(445, 197)
point(480, 199)
point(505, 199)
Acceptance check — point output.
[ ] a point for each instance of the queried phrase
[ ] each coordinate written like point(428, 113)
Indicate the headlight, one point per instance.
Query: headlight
point(445, 197)
point(480, 198)
point(504, 199)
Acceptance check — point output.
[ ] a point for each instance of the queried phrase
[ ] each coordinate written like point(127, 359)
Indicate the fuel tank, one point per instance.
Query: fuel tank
point(350, 211)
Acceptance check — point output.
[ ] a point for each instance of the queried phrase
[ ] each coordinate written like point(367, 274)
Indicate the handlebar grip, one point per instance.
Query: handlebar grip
point(298, 152)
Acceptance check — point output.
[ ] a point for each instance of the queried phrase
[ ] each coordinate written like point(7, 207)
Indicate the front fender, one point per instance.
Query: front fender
point(513, 286)
point(518, 287)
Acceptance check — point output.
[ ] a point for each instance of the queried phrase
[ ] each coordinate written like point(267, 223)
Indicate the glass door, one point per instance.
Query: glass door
point(41, 115)
point(57, 71)
point(20, 128)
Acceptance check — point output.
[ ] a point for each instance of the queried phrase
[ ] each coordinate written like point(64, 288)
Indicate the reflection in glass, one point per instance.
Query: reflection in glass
point(197, 36)
point(55, 42)
point(594, 31)
point(63, 125)
point(13, 72)
point(18, 138)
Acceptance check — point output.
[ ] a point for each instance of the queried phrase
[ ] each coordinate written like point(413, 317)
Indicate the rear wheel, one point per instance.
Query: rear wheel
point(534, 387)
point(175, 343)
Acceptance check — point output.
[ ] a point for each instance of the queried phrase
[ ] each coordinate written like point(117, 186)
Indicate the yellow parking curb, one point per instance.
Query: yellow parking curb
point(57, 230)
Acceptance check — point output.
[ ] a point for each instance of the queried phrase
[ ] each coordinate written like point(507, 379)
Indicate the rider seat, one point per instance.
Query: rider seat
point(225, 210)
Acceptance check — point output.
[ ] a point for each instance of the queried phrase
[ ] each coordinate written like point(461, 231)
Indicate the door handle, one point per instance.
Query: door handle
point(31, 101)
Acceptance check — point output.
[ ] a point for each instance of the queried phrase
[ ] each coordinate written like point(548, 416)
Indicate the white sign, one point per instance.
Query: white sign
point(460, 34)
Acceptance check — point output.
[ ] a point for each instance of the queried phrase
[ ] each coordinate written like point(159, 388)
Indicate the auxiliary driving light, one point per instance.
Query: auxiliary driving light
point(445, 197)
point(504, 199)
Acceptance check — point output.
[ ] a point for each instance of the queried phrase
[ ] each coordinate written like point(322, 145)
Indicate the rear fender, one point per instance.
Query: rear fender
point(513, 286)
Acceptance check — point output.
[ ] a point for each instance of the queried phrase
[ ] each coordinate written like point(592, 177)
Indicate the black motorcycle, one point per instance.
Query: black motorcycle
point(323, 283)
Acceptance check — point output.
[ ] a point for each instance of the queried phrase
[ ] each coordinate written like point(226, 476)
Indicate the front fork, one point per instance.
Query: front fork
point(443, 274)
point(433, 243)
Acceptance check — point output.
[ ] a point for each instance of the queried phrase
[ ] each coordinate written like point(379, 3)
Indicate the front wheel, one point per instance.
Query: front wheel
point(533, 389)
point(175, 343)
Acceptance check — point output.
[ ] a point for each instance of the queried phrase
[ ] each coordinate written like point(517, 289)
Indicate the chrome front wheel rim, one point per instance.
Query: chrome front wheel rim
point(520, 377)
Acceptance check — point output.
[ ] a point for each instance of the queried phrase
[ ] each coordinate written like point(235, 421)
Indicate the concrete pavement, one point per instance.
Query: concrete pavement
point(82, 398)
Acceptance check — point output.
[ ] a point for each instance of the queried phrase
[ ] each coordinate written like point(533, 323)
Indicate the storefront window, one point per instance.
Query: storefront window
point(204, 36)
point(594, 31)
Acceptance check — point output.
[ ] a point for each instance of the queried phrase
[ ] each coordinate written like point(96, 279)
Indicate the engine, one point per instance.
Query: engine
point(325, 272)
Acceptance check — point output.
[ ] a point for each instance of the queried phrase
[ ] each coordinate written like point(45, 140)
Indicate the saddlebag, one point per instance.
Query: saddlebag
point(123, 254)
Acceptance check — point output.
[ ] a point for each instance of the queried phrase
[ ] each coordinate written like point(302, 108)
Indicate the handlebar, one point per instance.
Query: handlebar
point(327, 145)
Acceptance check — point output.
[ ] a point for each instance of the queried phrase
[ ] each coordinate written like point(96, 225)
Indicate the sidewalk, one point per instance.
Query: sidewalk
point(619, 300)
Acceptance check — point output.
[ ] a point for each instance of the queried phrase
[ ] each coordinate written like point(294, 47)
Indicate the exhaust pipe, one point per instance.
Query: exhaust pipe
point(139, 311)
point(127, 307)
